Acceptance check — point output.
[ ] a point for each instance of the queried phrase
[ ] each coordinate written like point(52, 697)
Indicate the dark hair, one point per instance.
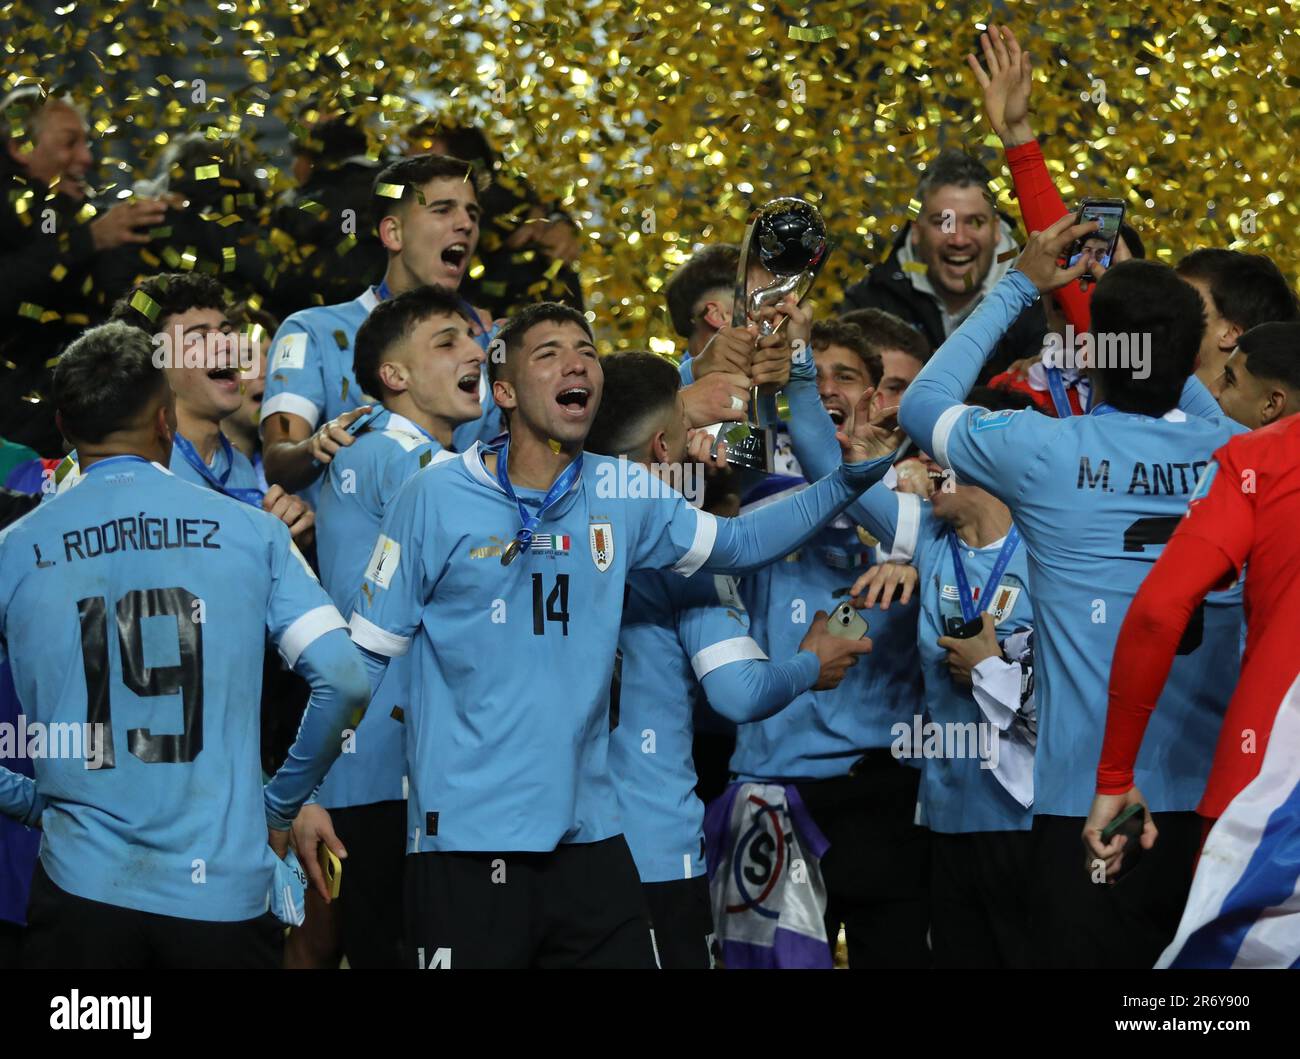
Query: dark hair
point(511, 336)
point(954, 168)
point(333, 140)
point(1273, 352)
point(850, 336)
point(154, 298)
point(1248, 289)
point(709, 269)
point(401, 181)
point(640, 388)
point(998, 400)
point(104, 380)
point(461, 141)
point(389, 322)
point(1148, 298)
point(886, 333)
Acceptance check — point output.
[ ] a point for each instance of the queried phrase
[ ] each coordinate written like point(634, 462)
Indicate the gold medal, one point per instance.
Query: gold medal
point(510, 554)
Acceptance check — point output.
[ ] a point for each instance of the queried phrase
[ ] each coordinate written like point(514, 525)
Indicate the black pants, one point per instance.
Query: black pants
point(877, 870)
point(370, 897)
point(579, 905)
point(979, 899)
point(1076, 922)
point(681, 916)
point(11, 945)
point(69, 932)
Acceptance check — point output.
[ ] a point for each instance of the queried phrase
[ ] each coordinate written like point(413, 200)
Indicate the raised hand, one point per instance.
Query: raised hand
point(875, 432)
point(1038, 260)
point(882, 583)
point(1006, 86)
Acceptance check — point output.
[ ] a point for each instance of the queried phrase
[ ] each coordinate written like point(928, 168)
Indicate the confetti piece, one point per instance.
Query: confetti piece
point(390, 191)
point(207, 172)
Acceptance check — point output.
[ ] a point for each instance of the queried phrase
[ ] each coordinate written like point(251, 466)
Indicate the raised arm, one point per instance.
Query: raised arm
point(1007, 86)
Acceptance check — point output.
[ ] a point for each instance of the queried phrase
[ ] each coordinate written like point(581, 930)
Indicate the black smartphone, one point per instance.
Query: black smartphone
point(960, 629)
point(1099, 246)
point(1129, 823)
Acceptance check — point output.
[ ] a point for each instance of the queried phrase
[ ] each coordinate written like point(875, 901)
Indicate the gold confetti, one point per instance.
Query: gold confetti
point(813, 33)
point(207, 172)
point(145, 305)
point(390, 191)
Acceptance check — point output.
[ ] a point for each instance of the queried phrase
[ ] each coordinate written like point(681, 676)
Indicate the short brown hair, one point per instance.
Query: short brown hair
point(841, 333)
point(886, 332)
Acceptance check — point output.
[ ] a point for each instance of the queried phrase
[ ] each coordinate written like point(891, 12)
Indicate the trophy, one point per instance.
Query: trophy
point(787, 236)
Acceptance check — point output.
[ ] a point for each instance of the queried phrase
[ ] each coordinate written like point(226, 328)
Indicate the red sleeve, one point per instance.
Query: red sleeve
point(1186, 570)
point(1041, 206)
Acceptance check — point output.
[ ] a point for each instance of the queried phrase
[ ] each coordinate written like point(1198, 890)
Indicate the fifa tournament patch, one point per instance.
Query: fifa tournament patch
point(383, 561)
point(993, 420)
point(551, 543)
point(601, 538)
point(290, 351)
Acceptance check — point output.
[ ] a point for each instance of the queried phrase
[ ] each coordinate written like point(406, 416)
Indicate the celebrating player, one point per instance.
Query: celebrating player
point(1095, 497)
point(129, 608)
point(1243, 512)
point(426, 209)
point(414, 350)
point(681, 637)
point(512, 818)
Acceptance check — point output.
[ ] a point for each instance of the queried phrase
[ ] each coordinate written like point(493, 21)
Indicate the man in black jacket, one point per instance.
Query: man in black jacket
point(53, 247)
point(945, 260)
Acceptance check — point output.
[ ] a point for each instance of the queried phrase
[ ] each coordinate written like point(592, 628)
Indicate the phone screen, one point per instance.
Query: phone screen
point(1099, 245)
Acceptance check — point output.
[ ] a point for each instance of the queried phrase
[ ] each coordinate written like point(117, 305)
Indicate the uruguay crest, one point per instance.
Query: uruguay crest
point(601, 535)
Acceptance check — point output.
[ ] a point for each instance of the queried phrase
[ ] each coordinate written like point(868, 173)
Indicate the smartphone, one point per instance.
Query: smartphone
point(331, 867)
point(960, 629)
point(358, 425)
point(1130, 824)
point(846, 622)
point(1099, 245)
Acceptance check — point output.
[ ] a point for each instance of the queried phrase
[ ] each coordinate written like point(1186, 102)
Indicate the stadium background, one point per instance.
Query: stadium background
point(696, 111)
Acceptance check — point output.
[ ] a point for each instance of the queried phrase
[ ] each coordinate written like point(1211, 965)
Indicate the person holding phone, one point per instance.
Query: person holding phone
point(683, 642)
point(973, 588)
point(832, 746)
point(1081, 492)
point(1236, 914)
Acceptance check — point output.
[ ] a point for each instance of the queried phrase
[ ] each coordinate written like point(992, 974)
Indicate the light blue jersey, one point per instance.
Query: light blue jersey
point(228, 469)
point(1095, 498)
point(508, 730)
point(358, 486)
point(310, 371)
point(683, 641)
point(823, 733)
point(137, 606)
point(958, 790)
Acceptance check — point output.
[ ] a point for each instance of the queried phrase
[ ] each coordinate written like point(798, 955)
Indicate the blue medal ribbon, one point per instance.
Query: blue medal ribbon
point(1056, 386)
point(382, 292)
point(561, 485)
point(969, 611)
point(192, 457)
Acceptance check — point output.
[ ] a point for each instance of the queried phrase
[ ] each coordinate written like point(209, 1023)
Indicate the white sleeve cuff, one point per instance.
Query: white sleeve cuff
point(706, 533)
point(380, 641)
point(717, 655)
point(306, 630)
point(943, 430)
point(908, 530)
point(294, 404)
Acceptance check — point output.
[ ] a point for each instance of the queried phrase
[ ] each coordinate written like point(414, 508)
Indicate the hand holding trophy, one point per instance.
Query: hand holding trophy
point(786, 238)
